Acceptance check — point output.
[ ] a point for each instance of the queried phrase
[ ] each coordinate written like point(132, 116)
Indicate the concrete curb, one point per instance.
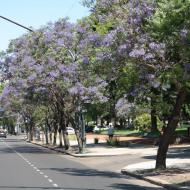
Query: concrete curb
point(71, 154)
point(152, 180)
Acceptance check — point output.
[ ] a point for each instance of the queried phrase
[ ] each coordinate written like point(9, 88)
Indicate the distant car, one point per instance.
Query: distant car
point(89, 129)
point(100, 128)
point(70, 130)
point(3, 133)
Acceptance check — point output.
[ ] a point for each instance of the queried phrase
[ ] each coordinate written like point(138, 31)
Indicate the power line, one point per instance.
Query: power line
point(16, 23)
point(70, 9)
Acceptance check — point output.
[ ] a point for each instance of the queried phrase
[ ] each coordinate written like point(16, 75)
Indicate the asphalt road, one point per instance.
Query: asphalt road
point(30, 167)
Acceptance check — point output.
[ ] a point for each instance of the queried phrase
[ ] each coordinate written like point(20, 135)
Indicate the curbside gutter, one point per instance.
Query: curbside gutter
point(152, 180)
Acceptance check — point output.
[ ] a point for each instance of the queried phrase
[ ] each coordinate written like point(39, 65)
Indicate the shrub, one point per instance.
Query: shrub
point(113, 142)
point(143, 122)
point(96, 140)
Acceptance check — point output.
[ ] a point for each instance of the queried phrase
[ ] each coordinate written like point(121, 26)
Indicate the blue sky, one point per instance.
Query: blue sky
point(35, 13)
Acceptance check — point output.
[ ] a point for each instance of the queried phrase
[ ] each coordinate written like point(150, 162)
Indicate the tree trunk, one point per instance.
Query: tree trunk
point(46, 134)
point(60, 138)
point(66, 140)
point(31, 132)
point(50, 137)
point(170, 130)
point(154, 127)
point(75, 125)
point(79, 141)
point(55, 135)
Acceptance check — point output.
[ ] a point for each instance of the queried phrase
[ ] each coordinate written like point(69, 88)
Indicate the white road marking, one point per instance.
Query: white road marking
point(55, 185)
point(32, 165)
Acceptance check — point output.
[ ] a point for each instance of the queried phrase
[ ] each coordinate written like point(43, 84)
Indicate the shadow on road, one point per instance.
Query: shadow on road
point(86, 172)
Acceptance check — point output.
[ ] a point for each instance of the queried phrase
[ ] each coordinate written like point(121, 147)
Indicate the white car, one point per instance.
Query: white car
point(70, 130)
point(100, 128)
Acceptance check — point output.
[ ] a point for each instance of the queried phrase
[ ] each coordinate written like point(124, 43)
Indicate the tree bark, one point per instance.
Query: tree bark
point(31, 131)
point(154, 127)
point(75, 125)
point(66, 140)
point(50, 137)
point(170, 130)
point(46, 134)
point(60, 138)
point(79, 140)
point(55, 134)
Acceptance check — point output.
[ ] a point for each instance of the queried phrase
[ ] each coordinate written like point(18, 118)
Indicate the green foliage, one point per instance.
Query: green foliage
point(127, 132)
point(113, 142)
point(143, 122)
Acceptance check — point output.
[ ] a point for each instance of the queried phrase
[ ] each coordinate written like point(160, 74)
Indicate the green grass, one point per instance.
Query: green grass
point(182, 130)
point(123, 132)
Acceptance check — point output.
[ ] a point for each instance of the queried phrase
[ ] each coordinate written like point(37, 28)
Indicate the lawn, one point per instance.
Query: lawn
point(124, 132)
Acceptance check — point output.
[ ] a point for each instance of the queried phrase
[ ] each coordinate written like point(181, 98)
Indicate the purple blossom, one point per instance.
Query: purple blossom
point(136, 53)
point(123, 48)
point(32, 77)
point(103, 56)
point(12, 69)
point(103, 99)
point(187, 67)
point(156, 46)
point(28, 60)
point(48, 37)
point(109, 39)
point(62, 68)
point(68, 68)
point(92, 90)
point(148, 56)
point(39, 69)
point(52, 62)
point(183, 33)
point(123, 107)
point(80, 29)
point(53, 74)
point(92, 37)
point(77, 89)
point(40, 89)
point(6, 91)
point(150, 76)
point(60, 42)
point(155, 84)
point(85, 60)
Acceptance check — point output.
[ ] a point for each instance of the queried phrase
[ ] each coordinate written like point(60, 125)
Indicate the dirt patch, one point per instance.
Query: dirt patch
point(175, 176)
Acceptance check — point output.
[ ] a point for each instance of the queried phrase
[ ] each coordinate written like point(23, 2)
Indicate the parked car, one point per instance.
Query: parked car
point(89, 129)
point(3, 133)
point(100, 128)
point(70, 130)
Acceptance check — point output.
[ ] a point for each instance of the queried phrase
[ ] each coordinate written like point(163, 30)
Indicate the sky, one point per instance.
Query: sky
point(35, 13)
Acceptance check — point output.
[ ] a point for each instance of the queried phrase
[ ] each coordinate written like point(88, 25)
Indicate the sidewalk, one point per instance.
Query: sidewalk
point(176, 177)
